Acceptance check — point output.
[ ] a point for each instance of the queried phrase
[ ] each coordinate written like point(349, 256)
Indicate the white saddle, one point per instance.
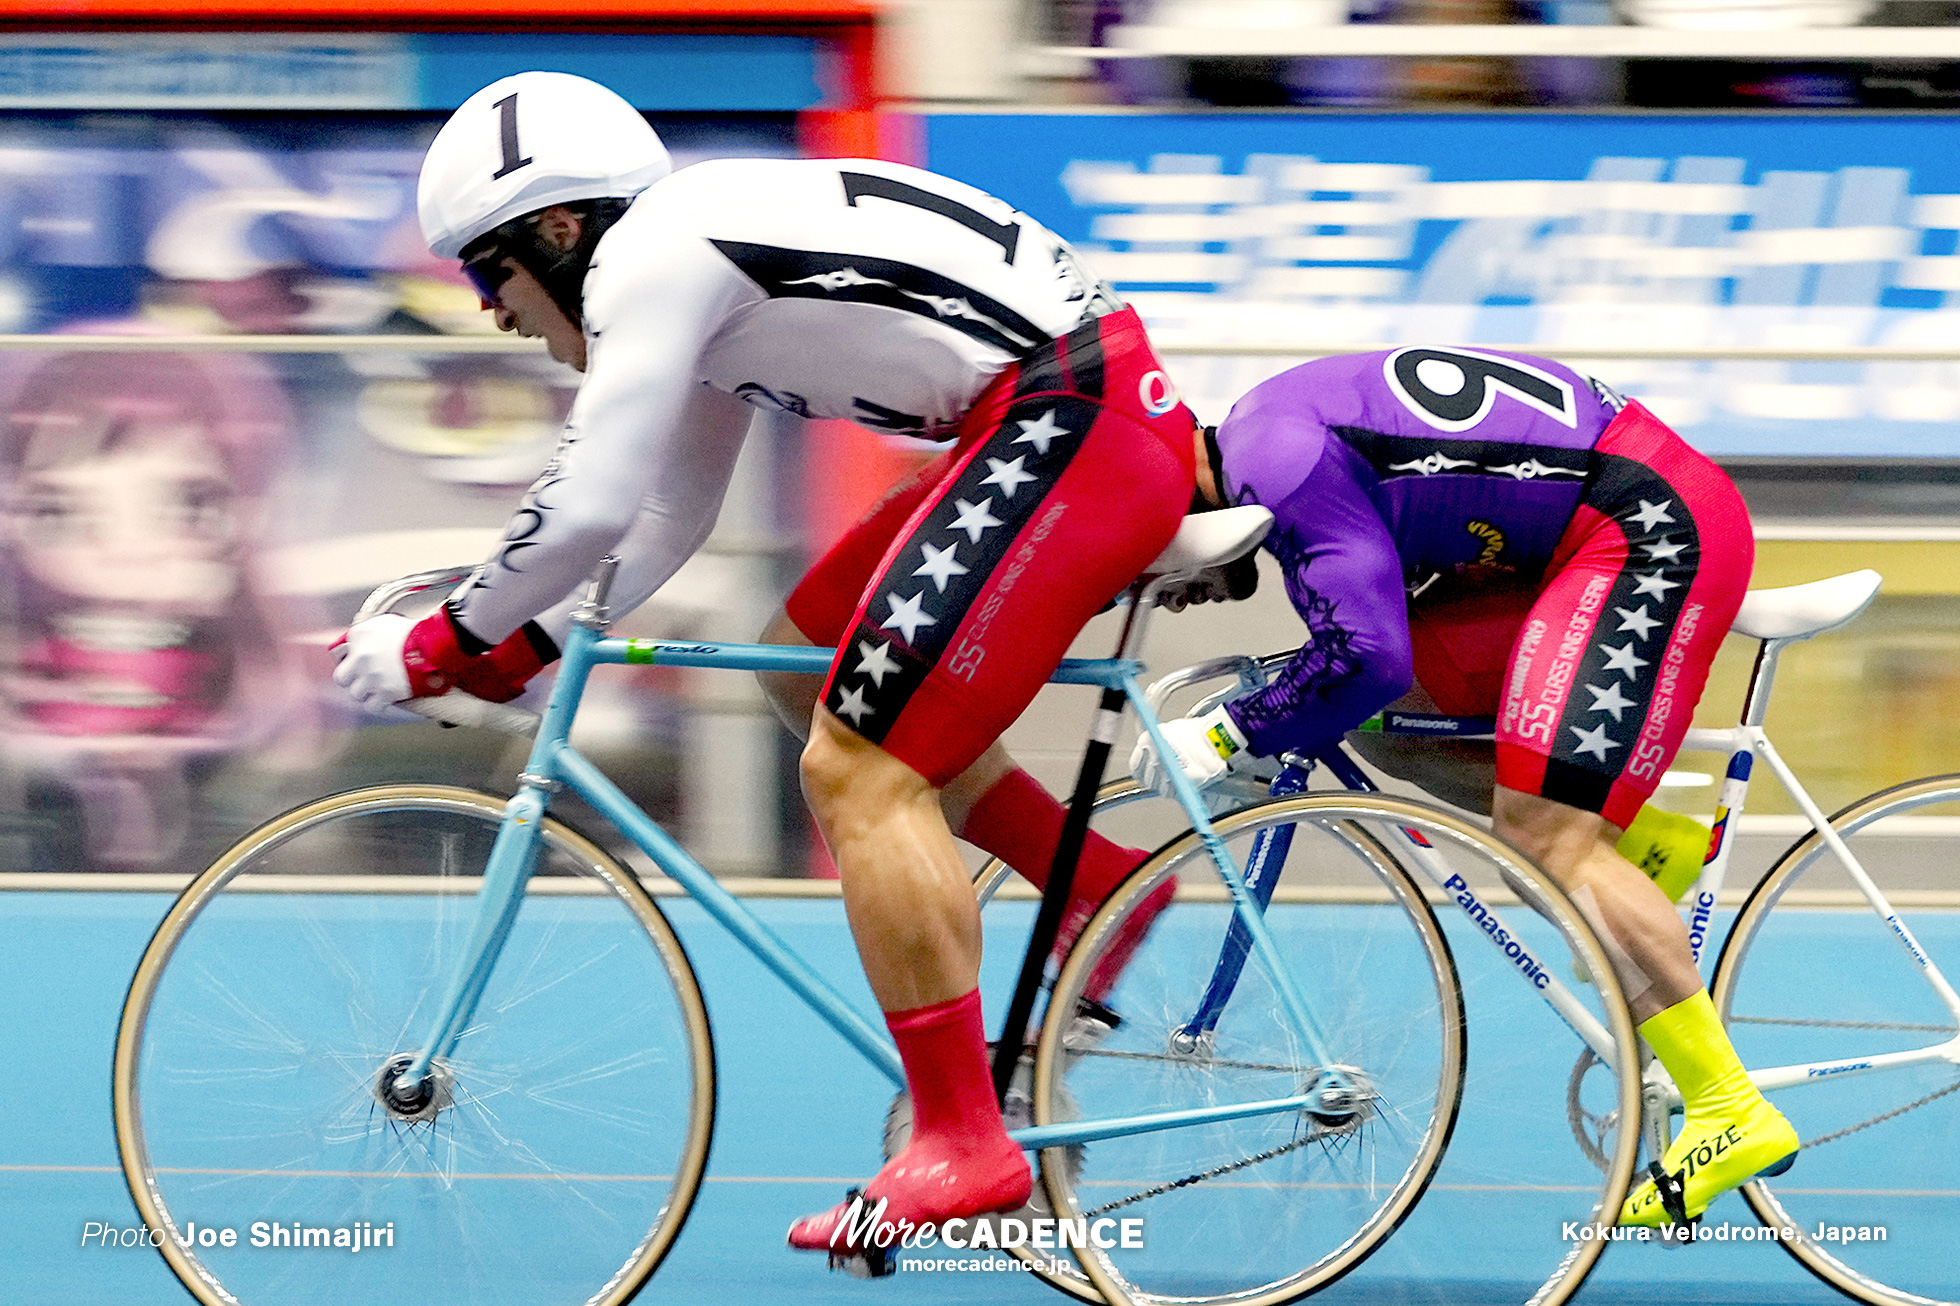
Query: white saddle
point(1800, 611)
point(1212, 539)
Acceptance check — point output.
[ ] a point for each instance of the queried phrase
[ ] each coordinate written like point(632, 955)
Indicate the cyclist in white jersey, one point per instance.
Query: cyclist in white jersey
point(831, 289)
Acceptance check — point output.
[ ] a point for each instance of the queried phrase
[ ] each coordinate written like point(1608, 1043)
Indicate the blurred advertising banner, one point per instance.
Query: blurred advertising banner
point(419, 70)
point(184, 528)
point(252, 223)
point(1534, 230)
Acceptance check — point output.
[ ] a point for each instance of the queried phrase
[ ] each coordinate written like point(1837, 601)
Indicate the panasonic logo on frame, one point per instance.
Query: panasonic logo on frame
point(1486, 920)
point(1698, 923)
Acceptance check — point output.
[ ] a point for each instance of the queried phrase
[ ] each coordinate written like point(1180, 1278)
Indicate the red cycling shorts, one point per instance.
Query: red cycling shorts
point(954, 598)
point(1593, 675)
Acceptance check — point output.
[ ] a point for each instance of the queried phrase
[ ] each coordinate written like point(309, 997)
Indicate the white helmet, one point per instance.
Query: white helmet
point(525, 143)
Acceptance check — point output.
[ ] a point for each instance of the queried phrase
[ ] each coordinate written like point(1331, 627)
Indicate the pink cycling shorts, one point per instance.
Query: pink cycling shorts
point(954, 598)
point(1594, 675)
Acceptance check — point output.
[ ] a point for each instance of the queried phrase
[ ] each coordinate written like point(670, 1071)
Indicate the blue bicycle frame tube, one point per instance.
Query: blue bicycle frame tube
point(553, 762)
point(1249, 913)
point(1262, 867)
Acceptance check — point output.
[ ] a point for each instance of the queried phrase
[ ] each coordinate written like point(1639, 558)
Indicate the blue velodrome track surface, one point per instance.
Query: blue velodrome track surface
point(799, 1118)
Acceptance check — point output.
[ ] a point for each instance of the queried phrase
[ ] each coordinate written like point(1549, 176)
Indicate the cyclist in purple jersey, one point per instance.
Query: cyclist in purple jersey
point(1373, 490)
point(1576, 566)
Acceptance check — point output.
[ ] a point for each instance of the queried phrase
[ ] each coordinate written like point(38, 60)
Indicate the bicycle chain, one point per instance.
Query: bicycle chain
point(1838, 1024)
point(1200, 1177)
point(1833, 1136)
point(1880, 1119)
point(1209, 1063)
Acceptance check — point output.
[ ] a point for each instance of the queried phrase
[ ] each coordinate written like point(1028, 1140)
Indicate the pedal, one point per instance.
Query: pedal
point(1679, 1231)
point(864, 1262)
point(1093, 1023)
point(871, 1263)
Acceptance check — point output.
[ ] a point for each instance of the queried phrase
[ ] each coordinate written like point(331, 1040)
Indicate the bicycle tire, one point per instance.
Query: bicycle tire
point(570, 1127)
point(1874, 1142)
point(1288, 1247)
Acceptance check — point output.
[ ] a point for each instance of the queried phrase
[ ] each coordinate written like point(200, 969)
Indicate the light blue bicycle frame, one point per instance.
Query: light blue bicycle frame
point(555, 764)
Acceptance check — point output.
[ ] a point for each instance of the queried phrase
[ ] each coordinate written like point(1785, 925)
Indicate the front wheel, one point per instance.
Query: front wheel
point(1268, 1208)
point(1814, 977)
point(1265, 1209)
point(553, 1156)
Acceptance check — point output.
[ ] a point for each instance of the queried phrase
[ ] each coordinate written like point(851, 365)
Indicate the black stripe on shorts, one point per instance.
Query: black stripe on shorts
point(944, 566)
point(1613, 683)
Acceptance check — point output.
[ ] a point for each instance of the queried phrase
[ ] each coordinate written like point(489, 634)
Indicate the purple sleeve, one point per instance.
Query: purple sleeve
point(1345, 579)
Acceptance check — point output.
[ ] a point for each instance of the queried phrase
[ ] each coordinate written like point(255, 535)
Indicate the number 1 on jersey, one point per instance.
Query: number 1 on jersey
point(1007, 235)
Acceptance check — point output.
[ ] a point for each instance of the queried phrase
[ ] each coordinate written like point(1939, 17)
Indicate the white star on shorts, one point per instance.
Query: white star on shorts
point(1040, 431)
point(876, 662)
point(974, 518)
point(940, 564)
point(852, 705)
point(1609, 699)
point(1662, 551)
point(1617, 659)
point(907, 617)
point(1593, 741)
point(1653, 514)
point(1655, 586)
point(1008, 476)
point(1636, 621)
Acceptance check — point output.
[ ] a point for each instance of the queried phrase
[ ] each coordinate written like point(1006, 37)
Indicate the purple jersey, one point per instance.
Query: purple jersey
point(1382, 469)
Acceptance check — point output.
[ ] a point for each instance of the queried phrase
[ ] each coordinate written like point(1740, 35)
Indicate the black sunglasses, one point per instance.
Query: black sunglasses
point(488, 273)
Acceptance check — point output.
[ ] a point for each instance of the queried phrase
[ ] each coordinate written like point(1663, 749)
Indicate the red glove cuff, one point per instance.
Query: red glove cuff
point(436, 663)
point(434, 660)
point(501, 674)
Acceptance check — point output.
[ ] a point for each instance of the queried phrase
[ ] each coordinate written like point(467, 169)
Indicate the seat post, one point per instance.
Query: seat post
point(1762, 676)
point(1056, 892)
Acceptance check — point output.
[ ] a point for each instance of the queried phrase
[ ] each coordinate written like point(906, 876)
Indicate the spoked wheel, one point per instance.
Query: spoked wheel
point(1270, 1207)
point(1812, 976)
point(552, 1157)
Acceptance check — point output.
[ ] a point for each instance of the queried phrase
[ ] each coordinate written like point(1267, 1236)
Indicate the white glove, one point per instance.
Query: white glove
point(370, 661)
point(1202, 747)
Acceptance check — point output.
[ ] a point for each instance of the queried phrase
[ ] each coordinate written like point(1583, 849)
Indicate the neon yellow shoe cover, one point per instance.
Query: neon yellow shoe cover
point(1729, 1134)
point(1709, 1157)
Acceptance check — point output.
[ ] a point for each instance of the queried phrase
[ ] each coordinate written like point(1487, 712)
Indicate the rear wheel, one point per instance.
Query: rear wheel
point(1813, 976)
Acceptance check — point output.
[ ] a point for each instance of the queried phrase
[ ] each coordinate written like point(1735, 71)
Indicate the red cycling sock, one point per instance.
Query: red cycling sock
point(1020, 822)
point(959, 1161)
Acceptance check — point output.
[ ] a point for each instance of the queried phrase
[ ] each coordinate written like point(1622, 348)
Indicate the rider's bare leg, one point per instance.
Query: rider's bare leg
point(998, 807)
point(1577, 848)
point(917, 928)
point(1460, 772)
point(1018, 822)
point(1729, 1133)
point(794, 698)
point(906, 888)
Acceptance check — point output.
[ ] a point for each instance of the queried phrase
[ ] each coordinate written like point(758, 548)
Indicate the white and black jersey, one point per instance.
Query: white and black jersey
point(833, 288)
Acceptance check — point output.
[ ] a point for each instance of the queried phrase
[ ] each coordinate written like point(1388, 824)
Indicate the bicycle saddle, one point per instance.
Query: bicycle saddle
point(1212, 539)
point(1800, 611)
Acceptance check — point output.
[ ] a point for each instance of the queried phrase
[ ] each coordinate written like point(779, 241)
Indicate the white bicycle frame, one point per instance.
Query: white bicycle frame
point(1742, 743)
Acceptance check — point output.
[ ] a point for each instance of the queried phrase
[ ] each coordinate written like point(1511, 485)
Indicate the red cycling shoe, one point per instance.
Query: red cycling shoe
point(920, 1188)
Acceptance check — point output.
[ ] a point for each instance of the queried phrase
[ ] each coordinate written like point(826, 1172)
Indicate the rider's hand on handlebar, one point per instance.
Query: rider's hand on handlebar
point(387, 659)
point(1202, 748)
point(368, 661)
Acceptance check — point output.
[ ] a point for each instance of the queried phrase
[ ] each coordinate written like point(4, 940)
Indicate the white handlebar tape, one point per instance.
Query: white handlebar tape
point(459, 709)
